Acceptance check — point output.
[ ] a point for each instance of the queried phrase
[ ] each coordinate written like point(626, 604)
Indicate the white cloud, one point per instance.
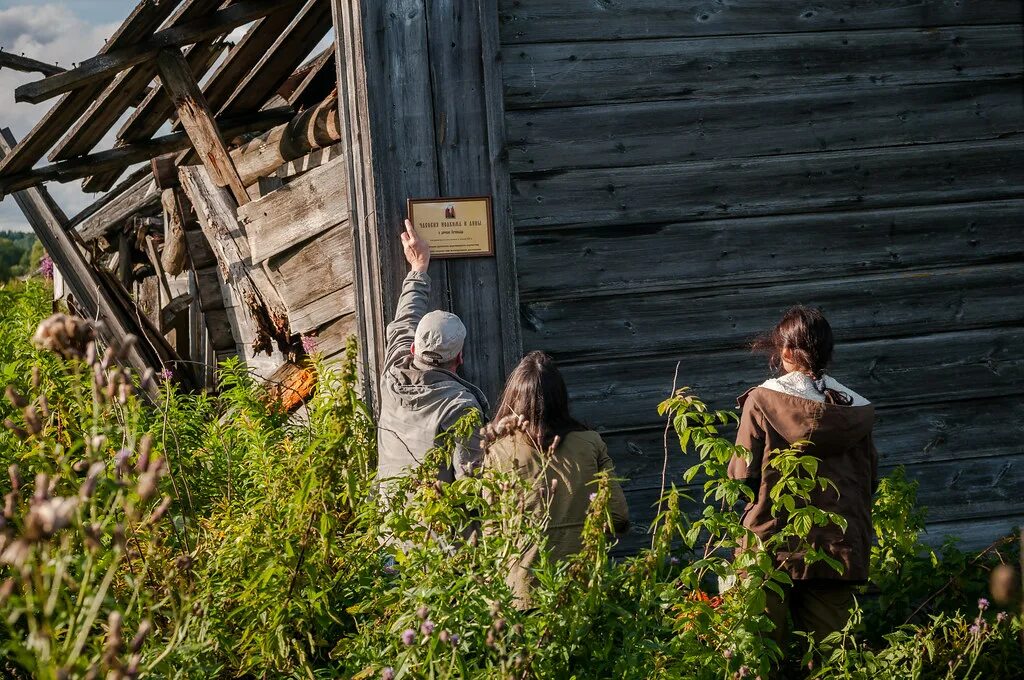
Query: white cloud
point(50, 32)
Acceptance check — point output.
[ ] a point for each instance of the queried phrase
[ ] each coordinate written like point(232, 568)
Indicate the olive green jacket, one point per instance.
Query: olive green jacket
point(574, 464)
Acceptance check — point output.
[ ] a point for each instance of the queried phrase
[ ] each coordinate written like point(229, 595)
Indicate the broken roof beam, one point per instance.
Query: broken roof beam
point(146, 17)
point(312, 129)
point(197, 119)
point(130, 86)
point(318, 82)
point(106, 66)
point(123, 157)
point(27, 64)
point(91, 292)
point(287, 54)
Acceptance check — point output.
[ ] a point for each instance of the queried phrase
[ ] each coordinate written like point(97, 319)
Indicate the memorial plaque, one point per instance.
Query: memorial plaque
point(454, 227)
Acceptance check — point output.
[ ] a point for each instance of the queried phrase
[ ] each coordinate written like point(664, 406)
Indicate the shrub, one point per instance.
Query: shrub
point(200, 536)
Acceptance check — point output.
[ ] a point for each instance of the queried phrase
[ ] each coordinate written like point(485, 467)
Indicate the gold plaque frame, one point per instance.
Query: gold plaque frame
point(438, 222)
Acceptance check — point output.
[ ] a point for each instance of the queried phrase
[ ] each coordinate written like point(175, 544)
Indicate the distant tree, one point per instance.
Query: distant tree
point(20, 253)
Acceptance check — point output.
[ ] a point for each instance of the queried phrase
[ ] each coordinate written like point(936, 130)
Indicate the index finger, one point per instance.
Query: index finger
point(409, 229)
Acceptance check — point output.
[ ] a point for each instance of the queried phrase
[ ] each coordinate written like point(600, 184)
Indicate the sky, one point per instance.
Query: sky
point(58, 32)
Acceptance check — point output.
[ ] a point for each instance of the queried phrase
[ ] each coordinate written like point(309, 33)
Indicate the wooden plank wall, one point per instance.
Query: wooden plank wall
point(683, 171)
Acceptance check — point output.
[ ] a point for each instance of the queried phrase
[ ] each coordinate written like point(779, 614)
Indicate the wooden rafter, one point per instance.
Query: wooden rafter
point(146, 17)
point(27, 64)
point(106, 66)
point(123, 157)
point(197, 119)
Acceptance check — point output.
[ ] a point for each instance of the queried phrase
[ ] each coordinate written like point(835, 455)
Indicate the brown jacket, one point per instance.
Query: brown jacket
point(575, 464)
point(840, 437)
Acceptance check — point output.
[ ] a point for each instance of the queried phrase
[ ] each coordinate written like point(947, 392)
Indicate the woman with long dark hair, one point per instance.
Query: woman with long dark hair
point(534, 436)
point(806, 404)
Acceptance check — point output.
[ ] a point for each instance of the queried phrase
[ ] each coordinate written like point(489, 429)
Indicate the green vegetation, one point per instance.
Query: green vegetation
point(20, 253)
point(209, 537)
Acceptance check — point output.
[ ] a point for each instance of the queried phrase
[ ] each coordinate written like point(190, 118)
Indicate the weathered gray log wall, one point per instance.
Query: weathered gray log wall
point(683, 171)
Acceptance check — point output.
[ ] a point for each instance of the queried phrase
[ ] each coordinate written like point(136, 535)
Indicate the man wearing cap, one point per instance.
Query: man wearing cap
point(420, 394)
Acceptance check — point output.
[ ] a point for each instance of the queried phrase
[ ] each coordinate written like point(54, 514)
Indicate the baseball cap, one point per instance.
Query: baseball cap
point(439, 338)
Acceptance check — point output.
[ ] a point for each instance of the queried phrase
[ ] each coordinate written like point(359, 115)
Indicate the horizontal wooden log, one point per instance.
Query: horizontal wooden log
point(108, 64)
point(917, 370)
point(875, 178)
point(315, 313)
point(312, 129)
point(529, 21)
point(949, 431)
point(571, 74)
point(146, 17)
point(313, 159)
point(125, 156)
point(949, 491)
point(332, 339)
point(651, 133)
point(132, 180)
point(297, 211)
point(565, 263)
point(859, 308)
point(315, 279)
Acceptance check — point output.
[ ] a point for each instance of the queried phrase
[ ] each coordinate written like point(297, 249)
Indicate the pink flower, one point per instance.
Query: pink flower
point(46, 267)
point(593, 497)
point(387, 674)
point(427, 628)
point(309, 344)
point(1001, 617)
point(166, 374)
point(982, 604)
point(975, 629)
point(408, 637)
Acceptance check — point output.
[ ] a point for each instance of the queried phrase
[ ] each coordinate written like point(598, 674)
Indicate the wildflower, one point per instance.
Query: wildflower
point(408, 637)
point(64, 335)
point(309, 344)
point(499, 625)
point(744, 671)
point(975, 629)
point(455, 639)
point(49, 516)
point(443, 636)
point(89, 485)
point(1001, 617)
point(46, 267)
point(727, 654)
point(388, 673)
point(593, 497)
point(15, 397)
point(144, 629)
point(427, 628)
point(165, 374)
point(121, 460)
point(114, 640)
point(147, 485)
point(982, 603)
point(673, 560)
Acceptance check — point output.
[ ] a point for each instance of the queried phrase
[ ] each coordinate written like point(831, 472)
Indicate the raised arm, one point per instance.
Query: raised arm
point(414, 300)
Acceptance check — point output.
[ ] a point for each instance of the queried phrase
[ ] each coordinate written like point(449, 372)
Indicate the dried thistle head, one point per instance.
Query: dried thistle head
point(68, 336)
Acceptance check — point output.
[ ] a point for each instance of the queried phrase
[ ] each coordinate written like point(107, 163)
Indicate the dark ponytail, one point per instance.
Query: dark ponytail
point(806, 333)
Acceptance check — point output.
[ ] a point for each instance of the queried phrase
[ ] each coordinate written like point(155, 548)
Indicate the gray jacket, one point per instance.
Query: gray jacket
point(419, 402)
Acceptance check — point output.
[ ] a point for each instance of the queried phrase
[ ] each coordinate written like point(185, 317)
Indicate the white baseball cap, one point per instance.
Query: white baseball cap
point(439, 338)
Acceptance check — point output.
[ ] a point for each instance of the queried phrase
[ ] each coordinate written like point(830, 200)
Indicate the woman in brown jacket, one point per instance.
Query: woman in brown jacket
point(534, 436)
point(805, 404)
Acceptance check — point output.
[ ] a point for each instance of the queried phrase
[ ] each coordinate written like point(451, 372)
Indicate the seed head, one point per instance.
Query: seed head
point(15, 397)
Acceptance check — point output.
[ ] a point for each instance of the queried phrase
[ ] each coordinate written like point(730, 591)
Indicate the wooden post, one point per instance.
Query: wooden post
point(197, 119)
point(175, 250)
point(438, 64)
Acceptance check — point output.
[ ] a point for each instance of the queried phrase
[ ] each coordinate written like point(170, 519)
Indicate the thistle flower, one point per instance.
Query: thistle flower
point(455, 637)
point(1001, 617)
point(408, 637)
point(388, 673)
point(983, 603)
point(974, 629)
point(427, 628)
point(422, 612)
point(727, 654)
point(46, 267)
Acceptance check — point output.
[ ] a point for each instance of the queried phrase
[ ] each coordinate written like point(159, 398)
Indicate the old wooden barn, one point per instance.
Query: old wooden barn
point(667, 176)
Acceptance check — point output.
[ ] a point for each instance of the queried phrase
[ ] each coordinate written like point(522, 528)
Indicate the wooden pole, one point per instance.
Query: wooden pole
point(175, 249)
point(197, 119)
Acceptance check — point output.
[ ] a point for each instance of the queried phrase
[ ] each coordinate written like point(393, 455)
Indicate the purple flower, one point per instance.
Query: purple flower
point(387, 674)
point(1001, 617)
point(408, 637)
point(593, 497)
point(744, 671)
point(727, 654)
point(309, 344)
point(975, 629)
point(46, 267)
point(455, 639)
point(166, 374)
point(427, 628)
point(982, 604)
point(673, 560)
